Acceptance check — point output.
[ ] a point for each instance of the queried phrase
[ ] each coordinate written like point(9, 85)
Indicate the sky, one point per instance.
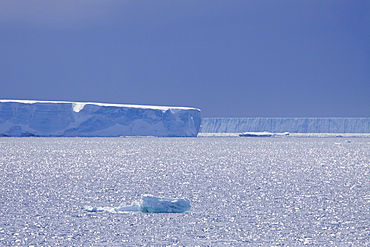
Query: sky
point(235, 58)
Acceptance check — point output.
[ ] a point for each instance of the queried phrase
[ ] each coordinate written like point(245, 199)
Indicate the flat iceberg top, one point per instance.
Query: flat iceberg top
point(82, 104)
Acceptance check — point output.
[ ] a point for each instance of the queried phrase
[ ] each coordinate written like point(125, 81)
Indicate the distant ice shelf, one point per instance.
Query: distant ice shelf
point(62, 118)
point(281, 125)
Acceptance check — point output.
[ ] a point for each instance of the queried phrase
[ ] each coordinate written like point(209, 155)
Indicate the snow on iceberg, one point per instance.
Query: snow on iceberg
point(149, 204)
point(61, 118)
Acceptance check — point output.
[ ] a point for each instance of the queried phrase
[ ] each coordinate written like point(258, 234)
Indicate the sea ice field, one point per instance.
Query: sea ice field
point(283, 191)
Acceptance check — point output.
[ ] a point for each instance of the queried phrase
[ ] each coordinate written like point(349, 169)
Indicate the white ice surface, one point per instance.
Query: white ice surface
point(61, 118)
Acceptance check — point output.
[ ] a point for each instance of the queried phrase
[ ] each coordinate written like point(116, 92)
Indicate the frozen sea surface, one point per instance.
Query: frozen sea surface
point(243, 191)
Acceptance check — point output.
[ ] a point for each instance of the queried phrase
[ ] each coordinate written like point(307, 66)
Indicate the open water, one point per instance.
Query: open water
point(244, 191)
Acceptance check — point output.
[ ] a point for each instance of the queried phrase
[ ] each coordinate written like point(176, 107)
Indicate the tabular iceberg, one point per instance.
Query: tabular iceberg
point(149, 204)
point(280, 125)
point(60, 118)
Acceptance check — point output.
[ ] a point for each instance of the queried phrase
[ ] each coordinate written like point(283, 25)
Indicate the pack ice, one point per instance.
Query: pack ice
point(149, 204)
point(61, 118)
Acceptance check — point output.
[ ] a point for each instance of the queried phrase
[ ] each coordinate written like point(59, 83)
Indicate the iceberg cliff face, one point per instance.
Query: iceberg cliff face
point(58, 118)
point(279, 125)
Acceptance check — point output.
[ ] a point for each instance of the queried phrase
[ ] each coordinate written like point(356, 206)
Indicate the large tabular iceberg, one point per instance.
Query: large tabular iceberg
point(59, 118)
point(292, 125)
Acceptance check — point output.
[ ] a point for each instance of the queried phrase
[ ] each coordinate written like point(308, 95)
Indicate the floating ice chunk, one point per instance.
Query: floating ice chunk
point(262, 134)
point(153, 204)
point(134, 207)
point(148, 204)
point(100, 209)
point(91, 209)
point(256, 134)
point(282, 134)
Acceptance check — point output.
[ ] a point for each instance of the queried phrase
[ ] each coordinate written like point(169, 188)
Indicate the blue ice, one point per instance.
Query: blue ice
point(149, 204)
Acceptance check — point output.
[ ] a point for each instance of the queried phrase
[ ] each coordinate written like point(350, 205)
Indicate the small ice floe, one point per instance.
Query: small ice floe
point(262, 134)
point(148, 204)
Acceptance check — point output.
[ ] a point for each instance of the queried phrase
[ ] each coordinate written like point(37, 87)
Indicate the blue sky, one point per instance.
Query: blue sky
point(248, 58)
